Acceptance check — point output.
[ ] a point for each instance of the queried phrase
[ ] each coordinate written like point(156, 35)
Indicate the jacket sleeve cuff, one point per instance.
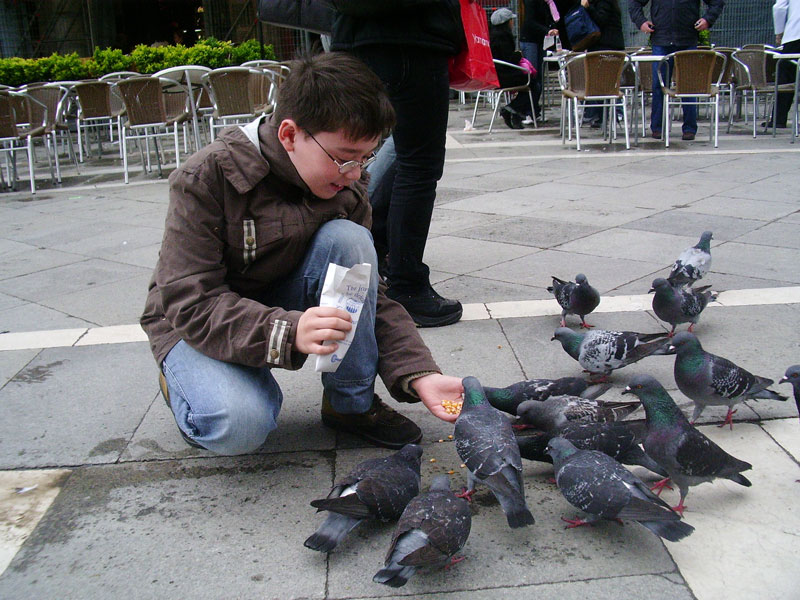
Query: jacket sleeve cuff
point(281, 352)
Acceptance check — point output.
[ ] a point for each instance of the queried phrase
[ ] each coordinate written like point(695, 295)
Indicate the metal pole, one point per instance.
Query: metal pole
point(91, 29)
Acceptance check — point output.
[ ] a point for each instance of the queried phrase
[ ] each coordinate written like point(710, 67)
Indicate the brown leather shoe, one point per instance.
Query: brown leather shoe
point(162, 383)
point(656, 135)
point(380, 425)
point(687, 136)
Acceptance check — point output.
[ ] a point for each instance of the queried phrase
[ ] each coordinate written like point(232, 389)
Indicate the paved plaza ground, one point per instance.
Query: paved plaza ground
point(100, 497)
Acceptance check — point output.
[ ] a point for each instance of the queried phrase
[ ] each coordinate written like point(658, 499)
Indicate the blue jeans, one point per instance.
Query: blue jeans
point(534, 53)
point(418, 84)
point(230, 408)
point(657, 114)
point(385, 158)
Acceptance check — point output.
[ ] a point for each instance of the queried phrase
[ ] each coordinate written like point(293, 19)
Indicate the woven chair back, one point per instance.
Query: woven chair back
point(144, 101)
point(693, 71)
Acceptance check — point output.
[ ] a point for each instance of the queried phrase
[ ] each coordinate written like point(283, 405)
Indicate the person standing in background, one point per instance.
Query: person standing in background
point(501, 40)
point(408, 44)
point(537, 23)
point(673, 25)
point(607, 16)
point(786, 17)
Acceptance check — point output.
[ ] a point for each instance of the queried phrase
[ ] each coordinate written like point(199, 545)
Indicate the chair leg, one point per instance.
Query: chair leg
point(625, 124)
point(475, 110)
point(494, 113)
point(124, 145)
point(716, 121)
point(177, 152)
point(30, 165)
point(577, 125)
point(667, 121)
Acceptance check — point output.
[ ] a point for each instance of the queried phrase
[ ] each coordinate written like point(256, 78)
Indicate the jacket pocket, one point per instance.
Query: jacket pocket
point(250, 239)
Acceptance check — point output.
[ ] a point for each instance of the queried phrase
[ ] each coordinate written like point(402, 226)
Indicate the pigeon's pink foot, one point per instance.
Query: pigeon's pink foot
point(522, 426)
point(465, 493)
point(601, 379)
point(585, 325)
point(563, 322)
point(680, 508)
point(574, 523)
point(671, 333)
point(729, 418)
point(659, 486)
point(551, 480)
point(454, 561)
point(690, 327)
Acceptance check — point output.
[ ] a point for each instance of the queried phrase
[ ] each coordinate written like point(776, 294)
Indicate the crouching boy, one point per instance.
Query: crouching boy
point(254, 220)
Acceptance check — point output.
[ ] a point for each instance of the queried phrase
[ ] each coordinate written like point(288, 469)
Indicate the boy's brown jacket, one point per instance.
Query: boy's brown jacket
point(239, 219)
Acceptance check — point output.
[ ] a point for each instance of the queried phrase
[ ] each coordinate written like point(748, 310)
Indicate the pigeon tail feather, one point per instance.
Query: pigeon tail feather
point(332, 531)
point(520, 517)
point(740, 479)
point(395, 575)
point(672, 531)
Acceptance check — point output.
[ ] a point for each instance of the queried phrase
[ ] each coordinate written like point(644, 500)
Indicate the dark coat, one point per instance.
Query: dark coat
point(673, 20)
point(607, 16)
point(501, 40)
point(537, 22)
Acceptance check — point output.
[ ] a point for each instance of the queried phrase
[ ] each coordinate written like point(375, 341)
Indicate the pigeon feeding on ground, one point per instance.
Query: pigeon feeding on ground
point(693, 262)
point(508, 398)
point(618, 439)
point(792, 376)
point(600, 352)
point(575, 297)
point(600, 486)
point(707, 379)
point(688, 456)
point(558, 411)
point(433, 527)
point(677, 305)
point(378, 488)
point(485, 442)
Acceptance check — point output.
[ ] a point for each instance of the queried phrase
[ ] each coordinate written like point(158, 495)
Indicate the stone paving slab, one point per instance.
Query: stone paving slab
point(684, 222)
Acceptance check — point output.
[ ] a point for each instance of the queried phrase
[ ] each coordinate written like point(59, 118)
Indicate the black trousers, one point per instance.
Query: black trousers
point(418, 85)
point(786, 73)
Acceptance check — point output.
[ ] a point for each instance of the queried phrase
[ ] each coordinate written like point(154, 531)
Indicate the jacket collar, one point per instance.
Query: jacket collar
point(245, 164)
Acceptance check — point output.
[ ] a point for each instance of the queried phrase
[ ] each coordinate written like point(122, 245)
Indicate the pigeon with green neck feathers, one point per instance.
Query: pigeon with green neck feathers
point(706, 378)
point(600, 352)
point(509, 398)
point(792, 376)
point(575, 298)
point(688, 456)
point(599, 485)
point(485, 442)
point(693, 262)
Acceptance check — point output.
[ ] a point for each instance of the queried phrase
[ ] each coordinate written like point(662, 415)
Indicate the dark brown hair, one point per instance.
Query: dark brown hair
point(335, 92)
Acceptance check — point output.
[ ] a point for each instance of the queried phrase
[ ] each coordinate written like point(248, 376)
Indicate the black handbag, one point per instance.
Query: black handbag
point(582, 32)
point(311, 15)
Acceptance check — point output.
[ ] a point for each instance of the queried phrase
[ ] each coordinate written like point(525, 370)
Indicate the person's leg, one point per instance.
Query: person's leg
point(531, 51)
point(418, 85)
point(657, 110)
point(224, 407)
point(786, 74)
point(383, 161)
point(689, 110)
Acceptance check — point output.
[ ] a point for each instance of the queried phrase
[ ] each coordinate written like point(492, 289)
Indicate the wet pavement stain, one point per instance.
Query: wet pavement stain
point(112, 446)
point(36, 374)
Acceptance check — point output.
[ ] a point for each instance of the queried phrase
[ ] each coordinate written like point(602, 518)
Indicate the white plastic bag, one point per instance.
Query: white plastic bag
point(346, 289)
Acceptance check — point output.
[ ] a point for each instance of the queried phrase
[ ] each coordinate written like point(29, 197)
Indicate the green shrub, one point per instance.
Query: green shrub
point(210, 52)
point(14, 71)
point(108, 60)
point(249, 50)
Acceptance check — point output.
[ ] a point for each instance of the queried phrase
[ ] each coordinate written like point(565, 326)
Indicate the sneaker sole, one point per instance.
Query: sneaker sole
point(337, 426)
point(423, 321)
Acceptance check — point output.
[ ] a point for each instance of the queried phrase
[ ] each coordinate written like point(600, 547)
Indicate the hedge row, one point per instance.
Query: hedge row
point(208, 52)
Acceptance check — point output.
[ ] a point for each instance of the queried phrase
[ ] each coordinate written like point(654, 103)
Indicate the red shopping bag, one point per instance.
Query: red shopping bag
point(473, 69)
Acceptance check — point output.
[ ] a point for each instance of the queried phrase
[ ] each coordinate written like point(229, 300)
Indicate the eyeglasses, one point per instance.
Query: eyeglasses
point(349, 165)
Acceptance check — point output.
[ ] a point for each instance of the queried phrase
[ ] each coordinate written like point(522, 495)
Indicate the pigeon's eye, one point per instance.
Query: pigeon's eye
point(795, 375)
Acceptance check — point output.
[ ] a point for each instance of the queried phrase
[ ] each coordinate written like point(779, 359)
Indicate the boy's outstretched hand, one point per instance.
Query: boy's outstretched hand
point(434, 388)
point(319, 324)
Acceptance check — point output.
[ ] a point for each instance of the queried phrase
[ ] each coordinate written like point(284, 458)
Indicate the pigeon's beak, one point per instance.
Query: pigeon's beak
point(627, 390)
point(672, 348)
point(783, 379)
point(652, 290)
point(552, 338)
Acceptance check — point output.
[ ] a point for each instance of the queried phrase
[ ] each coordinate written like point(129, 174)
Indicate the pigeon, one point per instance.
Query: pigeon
point(557, 411)
point(508, 398)
point(709, 379)
point(677, 305)
point(599, 352)
point(575, 297)
point(485, 442)
point(688, 456)
point(618, 439)
point(600, 486)
point(378, 488)
point(433, 527)
point(693, 262)
point(792, 376)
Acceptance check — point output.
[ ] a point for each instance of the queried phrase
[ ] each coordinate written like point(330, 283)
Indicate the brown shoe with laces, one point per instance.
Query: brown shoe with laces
point(380, 425)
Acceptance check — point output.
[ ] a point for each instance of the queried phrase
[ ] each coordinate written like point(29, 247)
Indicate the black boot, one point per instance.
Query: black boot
point(427, 308)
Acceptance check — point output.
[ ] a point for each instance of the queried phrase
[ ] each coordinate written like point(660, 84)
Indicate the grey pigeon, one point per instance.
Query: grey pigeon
point(378, 488)
point(599, 352)
point(618, 439)
point(677, 305)
point(558, 411)
point(688, 456)
point(485, 442)
point(693, 262)
point(600, 486)
point(433, 527)
point(709, 379)
point(792, 376)
point(508, 398)
point(575, 298)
